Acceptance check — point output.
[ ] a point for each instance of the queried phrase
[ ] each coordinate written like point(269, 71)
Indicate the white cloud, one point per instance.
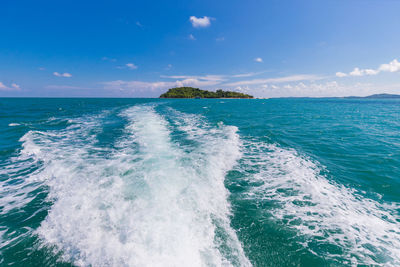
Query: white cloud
point(301, 85)
point(179, 81)
point(393, 66)
point(131, 66)
point(61, 87)
point(213, 77)
point(340, 74)
point(205, 77)
point(191, 37)
point(139, 24)
point(356, 72)
point(247, 74)
point(258, 59)
point(13, 87)
point(169, 66)
point(363, 72)
point(293, 78)
point(242, 89)
point(140, 86)
point(371, 72)
point(324, 89)
point(220, 39)
point(200, 22)
point(65, 74)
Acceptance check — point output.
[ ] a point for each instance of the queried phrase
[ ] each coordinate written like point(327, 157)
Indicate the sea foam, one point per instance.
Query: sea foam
point(320, 210)
point(148, 203)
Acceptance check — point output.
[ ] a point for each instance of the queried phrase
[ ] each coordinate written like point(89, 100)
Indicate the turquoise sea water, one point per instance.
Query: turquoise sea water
point(149, 182)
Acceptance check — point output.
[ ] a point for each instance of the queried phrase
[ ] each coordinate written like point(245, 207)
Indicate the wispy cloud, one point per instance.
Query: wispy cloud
point(340, 74)
point(249, 74)
point(329, 89)
point(65, 74)
point(220, 39)
point(2, 86)
point(205, 77)
point(191, 37)
point(108, 59)
point(139, 24)
point(131, 66)
point(213, 77)
point(62, 87)
point(258, 59)
point(12, 87)
point(205, 81)
point(179, 81)
point(393, 66)
point(200, 22)
point(292, 78)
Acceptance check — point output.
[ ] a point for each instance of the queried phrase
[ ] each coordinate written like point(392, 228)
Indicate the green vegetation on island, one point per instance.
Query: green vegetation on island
point(190, 92)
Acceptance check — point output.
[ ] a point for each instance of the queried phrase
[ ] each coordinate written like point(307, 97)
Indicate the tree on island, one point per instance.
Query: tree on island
point(190, 92)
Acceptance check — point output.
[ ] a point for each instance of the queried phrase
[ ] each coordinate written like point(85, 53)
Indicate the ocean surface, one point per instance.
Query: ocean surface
point(218, 182)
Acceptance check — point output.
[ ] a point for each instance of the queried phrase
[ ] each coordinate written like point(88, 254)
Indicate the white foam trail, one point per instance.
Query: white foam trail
point(21, 171)
point(218, 149)
point(148, 204)
point(13, 124)
point(367, 231)
point(23, 176)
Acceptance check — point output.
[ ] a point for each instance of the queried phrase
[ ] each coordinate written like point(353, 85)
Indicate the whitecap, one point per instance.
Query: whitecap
point(149, 204)
point(321, 210)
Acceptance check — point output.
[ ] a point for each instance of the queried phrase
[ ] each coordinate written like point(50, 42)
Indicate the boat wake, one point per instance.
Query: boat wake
point(144, 202)
point(156, 196)
point(331, 220)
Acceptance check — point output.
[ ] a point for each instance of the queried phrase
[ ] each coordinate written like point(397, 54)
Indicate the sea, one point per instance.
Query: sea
point(199, 182)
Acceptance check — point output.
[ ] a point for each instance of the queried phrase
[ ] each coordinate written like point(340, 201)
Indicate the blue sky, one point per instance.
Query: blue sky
point(141, 48)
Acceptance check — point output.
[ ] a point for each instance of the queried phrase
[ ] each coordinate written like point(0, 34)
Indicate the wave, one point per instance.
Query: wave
point(322, 212)
point(157, 195)
point(148, 202)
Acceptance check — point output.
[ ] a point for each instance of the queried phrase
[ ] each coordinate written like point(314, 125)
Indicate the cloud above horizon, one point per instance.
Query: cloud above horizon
point(131, 66)
point(65, 74)
point(12, 87)
point(181, 81)
point(291, 78)
point(204, 81)
point(393, 66)
point(191, 37)
point(200, 22)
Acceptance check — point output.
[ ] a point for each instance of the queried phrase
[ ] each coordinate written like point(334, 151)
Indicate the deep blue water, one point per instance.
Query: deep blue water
point(150, 182)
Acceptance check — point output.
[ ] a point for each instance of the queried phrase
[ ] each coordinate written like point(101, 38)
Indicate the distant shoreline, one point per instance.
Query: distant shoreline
point(374, 96)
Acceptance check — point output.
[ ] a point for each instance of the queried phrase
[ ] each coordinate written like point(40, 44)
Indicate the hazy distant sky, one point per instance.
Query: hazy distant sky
point(141, 48)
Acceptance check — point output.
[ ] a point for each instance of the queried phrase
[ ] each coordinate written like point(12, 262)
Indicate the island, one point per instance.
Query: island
point(190, 92)
point(376, 96)
point(383, 96)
